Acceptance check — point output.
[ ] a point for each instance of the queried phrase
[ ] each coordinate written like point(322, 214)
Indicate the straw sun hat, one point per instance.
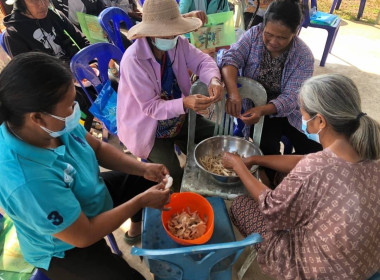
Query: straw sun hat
point(161, 18)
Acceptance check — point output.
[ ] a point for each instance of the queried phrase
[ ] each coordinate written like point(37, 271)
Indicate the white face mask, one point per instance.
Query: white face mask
point(70, 122)
point(165, 44)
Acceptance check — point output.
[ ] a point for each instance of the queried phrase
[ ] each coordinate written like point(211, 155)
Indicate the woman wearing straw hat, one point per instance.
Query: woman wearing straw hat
point(153, 94)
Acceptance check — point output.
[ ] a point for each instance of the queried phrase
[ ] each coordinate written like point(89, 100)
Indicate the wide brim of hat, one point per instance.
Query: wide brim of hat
point(164, 28)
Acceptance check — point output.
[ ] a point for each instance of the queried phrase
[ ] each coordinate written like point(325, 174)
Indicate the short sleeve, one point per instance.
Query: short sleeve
point(47, 206)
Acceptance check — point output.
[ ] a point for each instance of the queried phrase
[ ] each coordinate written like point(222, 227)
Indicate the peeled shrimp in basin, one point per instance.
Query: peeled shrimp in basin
point(187, 225)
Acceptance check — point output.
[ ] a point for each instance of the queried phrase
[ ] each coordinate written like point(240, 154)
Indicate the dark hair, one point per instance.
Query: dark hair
point(32, 82)
point(20, 6)
point(288, 12)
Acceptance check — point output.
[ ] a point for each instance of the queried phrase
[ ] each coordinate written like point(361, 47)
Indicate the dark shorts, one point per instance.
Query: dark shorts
point(97, 261)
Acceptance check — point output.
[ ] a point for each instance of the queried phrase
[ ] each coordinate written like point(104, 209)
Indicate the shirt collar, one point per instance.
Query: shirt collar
point(143, 50)
point(33, 153)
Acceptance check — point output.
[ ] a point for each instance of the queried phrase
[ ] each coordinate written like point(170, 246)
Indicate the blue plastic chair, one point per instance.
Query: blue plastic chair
point(110, 19)
point(102, 53)
point(38, 275)
point(336, 6)
point(2, 42)
point(213, 260)
point(331, 30)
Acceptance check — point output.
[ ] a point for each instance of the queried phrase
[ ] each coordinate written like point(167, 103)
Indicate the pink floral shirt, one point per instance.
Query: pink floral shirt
point(323, 220)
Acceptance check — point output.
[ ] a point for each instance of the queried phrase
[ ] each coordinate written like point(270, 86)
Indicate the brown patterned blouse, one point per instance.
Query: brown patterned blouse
point(323, 220)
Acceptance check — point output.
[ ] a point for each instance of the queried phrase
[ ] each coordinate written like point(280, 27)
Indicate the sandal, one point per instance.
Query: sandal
point(132, 240)
point(114, 72)
point(97, 125)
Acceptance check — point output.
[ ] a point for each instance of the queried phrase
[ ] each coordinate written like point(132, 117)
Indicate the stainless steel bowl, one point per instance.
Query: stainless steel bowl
point(220, 144)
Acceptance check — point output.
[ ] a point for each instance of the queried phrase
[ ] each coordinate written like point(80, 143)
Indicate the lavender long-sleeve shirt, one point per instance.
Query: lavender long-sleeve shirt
point(139, 105)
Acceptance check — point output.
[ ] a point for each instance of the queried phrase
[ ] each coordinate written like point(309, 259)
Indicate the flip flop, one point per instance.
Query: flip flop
point(132, 240)
point(114, 72)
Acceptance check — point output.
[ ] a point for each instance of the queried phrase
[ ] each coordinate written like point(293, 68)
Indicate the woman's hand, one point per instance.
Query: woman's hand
point(155, 172)
point(197, 102)
point(137, 15)
point(233, 105)
point(198, 14)
point(249, 162)
point(252, 115)
point(156, 197)
point(230, 160)
point(216, 89)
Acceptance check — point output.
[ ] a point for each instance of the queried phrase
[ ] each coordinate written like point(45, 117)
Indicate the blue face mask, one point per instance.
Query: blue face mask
point(70, 122)
point(311, 136)
point(165, 44)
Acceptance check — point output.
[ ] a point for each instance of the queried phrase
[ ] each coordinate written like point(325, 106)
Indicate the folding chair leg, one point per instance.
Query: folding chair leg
point(248, 262)
point(333, 40)
point(361, 9)
point(328, 46)
point(113, 243)
point(334, 6)
point(338, 5)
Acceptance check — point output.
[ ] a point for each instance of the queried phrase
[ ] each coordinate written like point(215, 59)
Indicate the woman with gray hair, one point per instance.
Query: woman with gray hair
point(322, 221)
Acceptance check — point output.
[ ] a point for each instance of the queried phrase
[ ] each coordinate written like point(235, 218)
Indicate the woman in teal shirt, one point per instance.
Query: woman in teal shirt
point(207, 6)
point(51, 186)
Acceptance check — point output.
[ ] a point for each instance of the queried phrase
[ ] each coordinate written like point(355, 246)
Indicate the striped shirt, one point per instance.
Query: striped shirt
point(247, 53)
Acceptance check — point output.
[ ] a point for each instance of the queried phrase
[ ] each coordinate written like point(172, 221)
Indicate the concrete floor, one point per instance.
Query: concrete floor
point(356, 54)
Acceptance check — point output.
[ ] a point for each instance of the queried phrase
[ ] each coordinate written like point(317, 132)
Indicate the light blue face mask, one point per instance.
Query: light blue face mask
point(311, 136)
point(70, 122)
point(165, 44)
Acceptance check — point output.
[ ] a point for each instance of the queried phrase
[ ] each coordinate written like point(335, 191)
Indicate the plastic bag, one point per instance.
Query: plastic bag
point(323, 18)
point(218, 32)
point(104, 107)
point(12, 263)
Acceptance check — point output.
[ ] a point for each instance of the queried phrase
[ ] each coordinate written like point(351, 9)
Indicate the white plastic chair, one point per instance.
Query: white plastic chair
point(194, 179)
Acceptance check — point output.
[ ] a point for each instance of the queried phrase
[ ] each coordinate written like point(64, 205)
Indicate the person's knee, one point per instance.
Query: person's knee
point(233, 209)
point(237, 206)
